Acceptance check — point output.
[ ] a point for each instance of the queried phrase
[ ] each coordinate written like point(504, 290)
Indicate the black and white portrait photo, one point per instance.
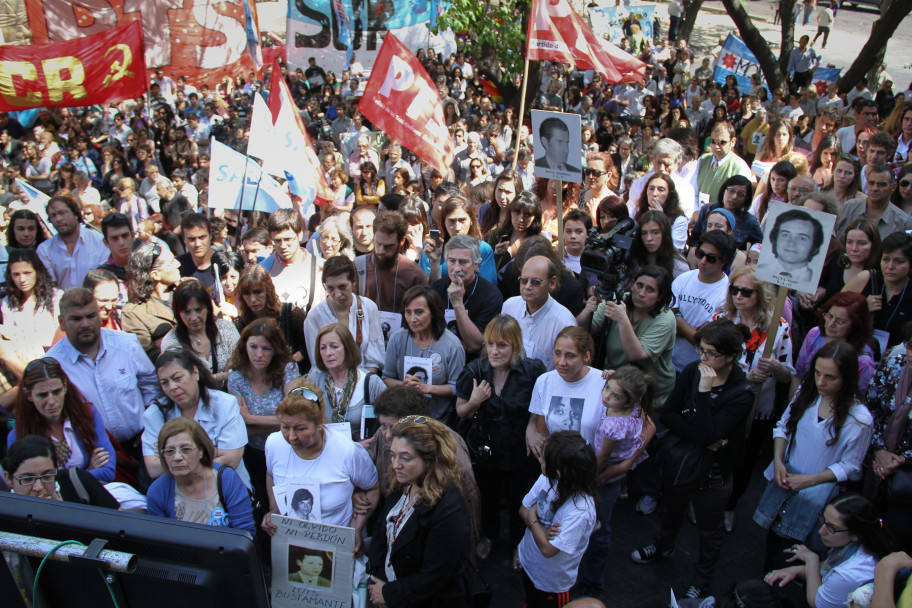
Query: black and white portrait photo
point(557, 146)
point(795, 246)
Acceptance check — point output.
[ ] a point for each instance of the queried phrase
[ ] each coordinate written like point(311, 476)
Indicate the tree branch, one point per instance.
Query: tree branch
point(769, 64)
point(874, 49)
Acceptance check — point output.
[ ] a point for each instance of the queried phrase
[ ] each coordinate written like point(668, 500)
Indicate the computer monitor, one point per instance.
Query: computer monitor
point(177, 564)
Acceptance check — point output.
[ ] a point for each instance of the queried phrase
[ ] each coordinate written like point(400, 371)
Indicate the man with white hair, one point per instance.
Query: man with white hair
point(395, 161)
point(464, 158)
point(361, 154)
point(666, 157)
point(471, 301)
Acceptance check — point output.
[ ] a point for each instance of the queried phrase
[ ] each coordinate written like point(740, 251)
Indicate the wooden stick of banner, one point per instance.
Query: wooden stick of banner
point(768, 348)
point(559, 196)
point(522, 109)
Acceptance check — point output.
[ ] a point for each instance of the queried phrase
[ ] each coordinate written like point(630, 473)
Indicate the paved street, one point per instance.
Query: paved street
point(629, 585)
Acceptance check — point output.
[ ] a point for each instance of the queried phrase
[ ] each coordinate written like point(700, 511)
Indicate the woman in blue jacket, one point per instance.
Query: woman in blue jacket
point(50, 406)
point(195, 488)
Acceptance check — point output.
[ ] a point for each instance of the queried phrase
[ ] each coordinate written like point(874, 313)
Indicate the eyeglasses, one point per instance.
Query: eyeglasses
point(413, 418)
point(304, 392)
point(736, 192)
point(45, 360)
point(527, 280)
point(30, 480)
point(830, 527)
point(710, 355)
point(710, 257)
point(829, 318)
point(184, 451)
point(156, 252)
point(719, 142)
point(744, 291)
point(594, 173)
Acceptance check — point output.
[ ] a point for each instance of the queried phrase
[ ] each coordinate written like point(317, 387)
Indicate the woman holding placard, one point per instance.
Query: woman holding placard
point(425, 342)
point(306, 454)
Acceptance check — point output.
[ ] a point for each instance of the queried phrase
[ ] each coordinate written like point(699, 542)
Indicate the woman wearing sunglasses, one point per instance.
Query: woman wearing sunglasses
point(600, 175)
point(30, 469)
point(819, 442)
point(751, 302)
point(48, 405)
point(843, 317)
point(855, 538)
point(902, 195)
point(305, 452)
point(190, 392)
point(153, 272)
point(194, 487)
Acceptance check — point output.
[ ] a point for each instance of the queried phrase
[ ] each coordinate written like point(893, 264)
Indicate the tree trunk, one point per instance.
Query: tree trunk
point(771, 67)
point(872, 53)
point(691, 10)
point(789, 11)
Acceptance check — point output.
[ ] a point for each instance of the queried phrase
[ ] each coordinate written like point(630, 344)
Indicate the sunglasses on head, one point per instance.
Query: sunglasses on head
point(43, 360)
point(413, 418)
point(304, 392)
point(710, 257)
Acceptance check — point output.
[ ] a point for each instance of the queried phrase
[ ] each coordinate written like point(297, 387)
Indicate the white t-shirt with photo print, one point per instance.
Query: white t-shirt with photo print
point(569, 406)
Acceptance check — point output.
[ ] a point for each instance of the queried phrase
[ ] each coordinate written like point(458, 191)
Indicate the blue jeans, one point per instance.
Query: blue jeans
point(592, 568)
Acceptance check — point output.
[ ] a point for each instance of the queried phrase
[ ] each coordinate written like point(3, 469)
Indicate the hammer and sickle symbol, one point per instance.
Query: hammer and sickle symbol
point(118, 69)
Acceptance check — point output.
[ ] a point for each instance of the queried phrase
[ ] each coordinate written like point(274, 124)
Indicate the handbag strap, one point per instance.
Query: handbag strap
point(360, 320)
point(81, 491)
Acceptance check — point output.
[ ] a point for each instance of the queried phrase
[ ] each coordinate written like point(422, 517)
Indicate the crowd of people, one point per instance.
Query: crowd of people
point(453, 354)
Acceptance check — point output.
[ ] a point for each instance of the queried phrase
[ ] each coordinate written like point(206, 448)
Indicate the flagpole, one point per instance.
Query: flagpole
point(522, 109)
point(559, 195)
point(240, 205)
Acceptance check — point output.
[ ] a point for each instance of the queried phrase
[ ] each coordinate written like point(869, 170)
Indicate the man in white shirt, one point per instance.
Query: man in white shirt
point(866, 116)
point(859, 90)
point(395, 161)
point(666, 157)
point(86, 194)
point(75, 250)
point(539, 315)
point(179, 178)
point(120, 130)
point(166, 86)
point(148, 188)
point(109, 367)
point(297, 275)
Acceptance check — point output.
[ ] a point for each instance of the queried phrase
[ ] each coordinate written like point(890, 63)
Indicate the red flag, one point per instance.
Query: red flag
point(557, 33)
point(281, 104)
point(105, 67)
point(402, 100)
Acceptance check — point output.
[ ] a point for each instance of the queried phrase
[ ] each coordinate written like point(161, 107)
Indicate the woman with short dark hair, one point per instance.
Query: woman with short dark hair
point(426, 342)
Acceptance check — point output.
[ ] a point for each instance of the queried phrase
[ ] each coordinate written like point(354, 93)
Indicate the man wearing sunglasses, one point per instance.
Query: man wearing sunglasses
point(716, 166)
point(539, 315)
point(700, 293)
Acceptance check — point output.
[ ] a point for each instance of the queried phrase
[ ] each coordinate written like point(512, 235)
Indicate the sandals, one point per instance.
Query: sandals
point(483, 548)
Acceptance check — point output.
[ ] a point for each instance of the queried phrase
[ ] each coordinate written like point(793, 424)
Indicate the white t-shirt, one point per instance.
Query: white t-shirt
point(569, 406)
point(577, 520)
point(342, 466)
point(697, 302)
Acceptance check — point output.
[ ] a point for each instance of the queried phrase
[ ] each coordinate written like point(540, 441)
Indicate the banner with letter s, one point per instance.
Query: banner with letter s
point(203, 40)
point(402, 100)
point(104, 67)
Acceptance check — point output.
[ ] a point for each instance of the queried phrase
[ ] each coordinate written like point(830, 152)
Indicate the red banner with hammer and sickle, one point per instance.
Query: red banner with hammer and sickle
point(104, 67)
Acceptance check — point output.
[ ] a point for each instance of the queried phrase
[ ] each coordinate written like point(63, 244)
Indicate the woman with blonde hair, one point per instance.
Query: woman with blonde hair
point(418, 554)
point(750, 303)
point(492, 402)
point(304, 452)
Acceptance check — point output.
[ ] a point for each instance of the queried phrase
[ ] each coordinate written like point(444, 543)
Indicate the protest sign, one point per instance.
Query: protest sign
point(608, 21)
point(794, 246)
point(312, 564)
point(557, 145)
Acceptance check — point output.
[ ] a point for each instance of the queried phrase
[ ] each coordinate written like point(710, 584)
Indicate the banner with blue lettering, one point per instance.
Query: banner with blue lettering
point(314, 30)
point(736, 60)
point(609, 20)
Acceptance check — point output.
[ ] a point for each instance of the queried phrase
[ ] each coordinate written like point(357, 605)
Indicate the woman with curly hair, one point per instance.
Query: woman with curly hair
point(418, 557)
point(47, 404)
point(31, 306)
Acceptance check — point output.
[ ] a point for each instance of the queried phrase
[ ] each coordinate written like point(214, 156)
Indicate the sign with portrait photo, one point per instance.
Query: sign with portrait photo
point(557, 137)
point(794, 246)
point(312, 564)
point(299, 500)
point(421, 367)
